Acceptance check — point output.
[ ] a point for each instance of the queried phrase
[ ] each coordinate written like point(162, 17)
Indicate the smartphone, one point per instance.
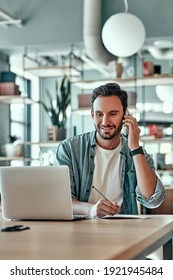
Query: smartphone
point(124, 129)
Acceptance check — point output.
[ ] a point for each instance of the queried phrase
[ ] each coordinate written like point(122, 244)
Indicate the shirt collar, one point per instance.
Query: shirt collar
point(93, 138)
point(124, 147)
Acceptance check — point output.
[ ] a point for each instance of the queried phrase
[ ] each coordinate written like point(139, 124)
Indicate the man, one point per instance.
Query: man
point(116, 165)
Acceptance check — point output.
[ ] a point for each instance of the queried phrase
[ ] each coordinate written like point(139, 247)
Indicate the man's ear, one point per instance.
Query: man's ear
point(92, 113)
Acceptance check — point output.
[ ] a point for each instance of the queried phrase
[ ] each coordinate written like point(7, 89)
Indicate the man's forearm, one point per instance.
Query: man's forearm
point(145, 176)
point(81, 208)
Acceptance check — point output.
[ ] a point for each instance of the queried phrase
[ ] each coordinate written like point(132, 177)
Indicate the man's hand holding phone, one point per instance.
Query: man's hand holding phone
point(131, 125)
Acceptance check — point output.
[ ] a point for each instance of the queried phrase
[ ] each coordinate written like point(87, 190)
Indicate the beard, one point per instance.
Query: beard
point(108, 132)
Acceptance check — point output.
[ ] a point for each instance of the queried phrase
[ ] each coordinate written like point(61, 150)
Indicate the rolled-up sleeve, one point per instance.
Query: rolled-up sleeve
point(156, 199)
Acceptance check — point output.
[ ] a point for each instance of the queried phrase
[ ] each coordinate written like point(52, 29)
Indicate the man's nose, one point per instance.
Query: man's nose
point(105, 120)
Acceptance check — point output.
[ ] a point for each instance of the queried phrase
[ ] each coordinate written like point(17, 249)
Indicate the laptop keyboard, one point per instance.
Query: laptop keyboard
point(80, 217)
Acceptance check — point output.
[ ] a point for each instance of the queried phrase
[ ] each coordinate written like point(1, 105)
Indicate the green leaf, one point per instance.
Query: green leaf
point(62, 98)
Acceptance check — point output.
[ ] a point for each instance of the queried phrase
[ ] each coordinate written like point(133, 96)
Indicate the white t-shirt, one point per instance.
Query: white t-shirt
point(107, 175)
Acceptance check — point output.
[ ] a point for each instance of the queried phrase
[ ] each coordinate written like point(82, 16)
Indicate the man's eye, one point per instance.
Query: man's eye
point(98, 115)
point(113, 114)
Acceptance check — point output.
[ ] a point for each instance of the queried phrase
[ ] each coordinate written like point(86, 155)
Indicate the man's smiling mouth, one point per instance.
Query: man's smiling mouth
point(106, 128)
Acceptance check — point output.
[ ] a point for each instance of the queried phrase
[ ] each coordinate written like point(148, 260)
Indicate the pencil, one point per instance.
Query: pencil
point(101, 194)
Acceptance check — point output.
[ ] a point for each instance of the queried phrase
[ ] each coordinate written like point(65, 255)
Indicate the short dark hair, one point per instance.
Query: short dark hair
point(111, 89)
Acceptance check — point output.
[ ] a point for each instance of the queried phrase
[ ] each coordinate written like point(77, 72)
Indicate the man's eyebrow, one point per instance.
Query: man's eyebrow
point(112, 111)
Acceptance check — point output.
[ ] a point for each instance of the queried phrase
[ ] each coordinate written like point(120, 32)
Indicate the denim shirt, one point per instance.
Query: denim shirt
point(78, 154)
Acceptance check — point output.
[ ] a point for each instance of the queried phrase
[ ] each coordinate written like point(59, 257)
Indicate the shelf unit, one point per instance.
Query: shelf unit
point(127, 82)
point(13, 99)
point(6, 158)
point(53, 71)
point(145, 140)
point(16, 99)
point(9, 100)
point(45, 144)
point(41, 145)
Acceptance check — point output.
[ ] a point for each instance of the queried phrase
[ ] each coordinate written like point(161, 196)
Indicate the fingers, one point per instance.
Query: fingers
point(133, 131)
point(130, 121)
point(105, 207)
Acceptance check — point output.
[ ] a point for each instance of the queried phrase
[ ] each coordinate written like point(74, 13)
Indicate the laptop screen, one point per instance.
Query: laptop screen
point(36, 192)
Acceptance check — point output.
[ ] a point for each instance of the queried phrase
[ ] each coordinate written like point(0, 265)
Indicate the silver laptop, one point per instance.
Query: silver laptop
point(36, 193)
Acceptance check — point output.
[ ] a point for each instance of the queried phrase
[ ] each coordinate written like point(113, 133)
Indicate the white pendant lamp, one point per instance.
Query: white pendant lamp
point(165, 92)
point(123, 34)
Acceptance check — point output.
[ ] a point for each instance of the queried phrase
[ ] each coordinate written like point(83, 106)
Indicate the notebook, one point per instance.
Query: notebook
point(36, 193)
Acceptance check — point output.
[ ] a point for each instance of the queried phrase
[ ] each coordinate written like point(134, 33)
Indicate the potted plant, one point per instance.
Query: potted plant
point(13, 148)
point(13, 138)
point(57, 107)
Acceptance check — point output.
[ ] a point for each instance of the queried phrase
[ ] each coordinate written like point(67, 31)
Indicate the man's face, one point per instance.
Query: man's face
point(107, 115)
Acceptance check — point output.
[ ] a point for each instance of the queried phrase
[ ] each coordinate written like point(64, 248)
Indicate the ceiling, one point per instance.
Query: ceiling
point(56, 25)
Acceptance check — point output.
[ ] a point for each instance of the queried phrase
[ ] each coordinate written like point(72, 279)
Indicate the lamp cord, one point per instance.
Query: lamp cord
point(126, 6)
